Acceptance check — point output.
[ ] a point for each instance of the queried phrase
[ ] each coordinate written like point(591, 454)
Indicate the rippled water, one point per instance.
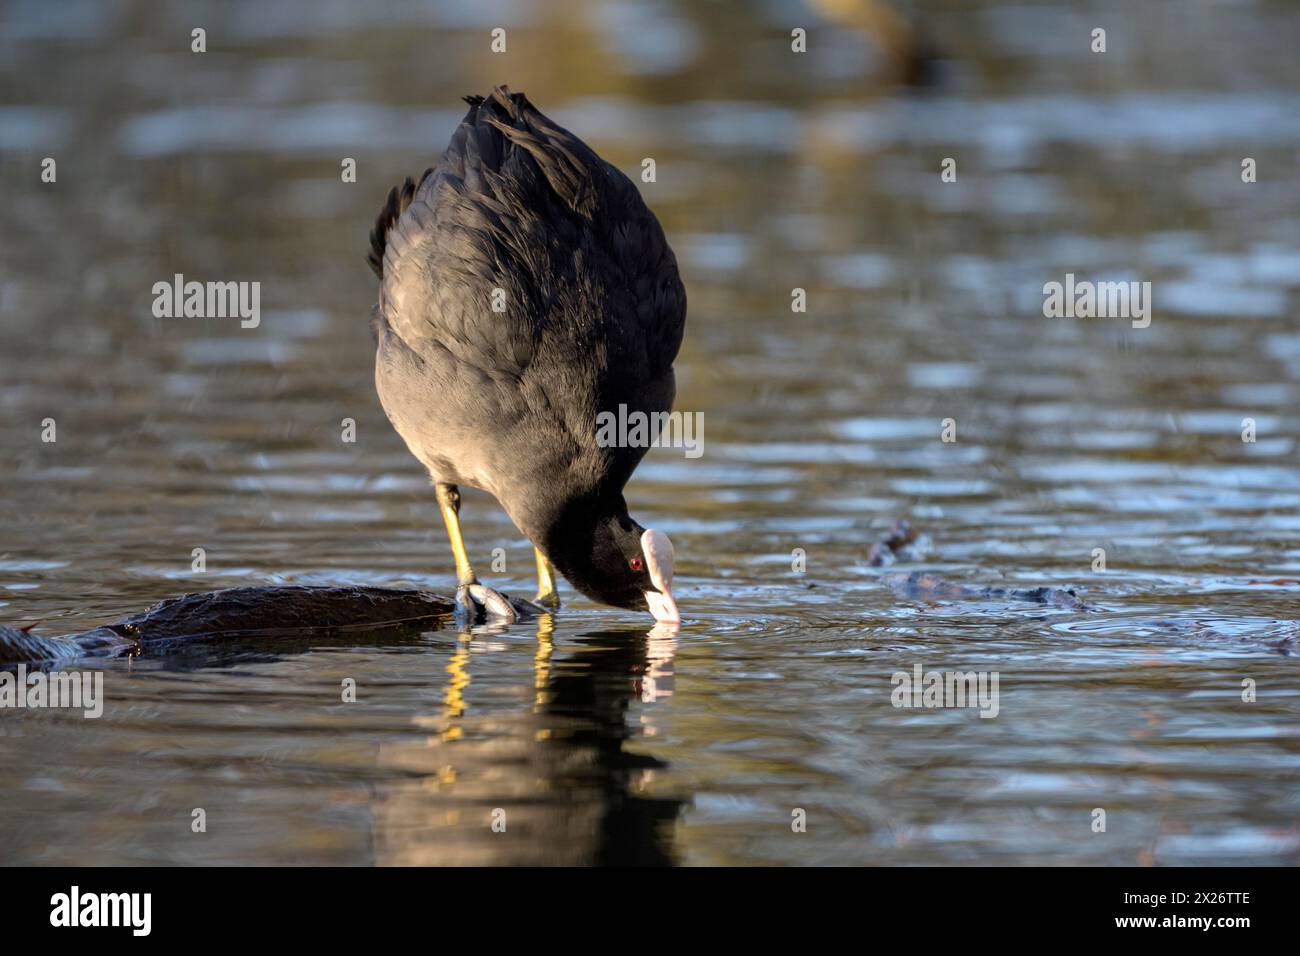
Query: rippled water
point(600, 741)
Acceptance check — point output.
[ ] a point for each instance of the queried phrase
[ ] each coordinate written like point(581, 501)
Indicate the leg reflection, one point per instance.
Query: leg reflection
point(552, 782)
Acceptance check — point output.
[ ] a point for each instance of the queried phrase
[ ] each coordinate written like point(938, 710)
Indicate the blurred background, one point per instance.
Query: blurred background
point(775, 170)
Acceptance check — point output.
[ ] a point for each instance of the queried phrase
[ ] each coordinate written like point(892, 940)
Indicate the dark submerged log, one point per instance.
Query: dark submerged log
point(282, 611)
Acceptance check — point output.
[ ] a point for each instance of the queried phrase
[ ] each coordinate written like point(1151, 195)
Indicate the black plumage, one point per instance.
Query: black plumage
point(520, 215)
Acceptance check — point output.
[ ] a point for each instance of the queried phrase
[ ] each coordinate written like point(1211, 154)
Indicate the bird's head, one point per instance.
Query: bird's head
point(623, 565)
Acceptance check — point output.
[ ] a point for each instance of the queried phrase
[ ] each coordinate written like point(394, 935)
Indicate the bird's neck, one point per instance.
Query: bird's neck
point(571, 533)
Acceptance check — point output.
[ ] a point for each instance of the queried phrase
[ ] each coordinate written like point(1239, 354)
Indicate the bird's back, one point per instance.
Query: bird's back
point(525, 287)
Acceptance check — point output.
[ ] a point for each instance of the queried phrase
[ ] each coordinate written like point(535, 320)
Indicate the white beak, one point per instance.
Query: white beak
point(658, 551)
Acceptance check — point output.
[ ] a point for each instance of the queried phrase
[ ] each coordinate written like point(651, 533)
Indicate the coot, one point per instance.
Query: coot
point(524, 289)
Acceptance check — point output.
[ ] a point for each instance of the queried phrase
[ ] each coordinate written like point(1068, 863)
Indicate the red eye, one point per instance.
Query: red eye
point(637, 564)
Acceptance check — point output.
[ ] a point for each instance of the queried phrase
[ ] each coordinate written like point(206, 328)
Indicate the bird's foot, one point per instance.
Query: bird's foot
point(550, 600)
point(476, 601)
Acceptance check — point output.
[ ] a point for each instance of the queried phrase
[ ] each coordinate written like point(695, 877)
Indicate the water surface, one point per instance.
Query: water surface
point(600, 740)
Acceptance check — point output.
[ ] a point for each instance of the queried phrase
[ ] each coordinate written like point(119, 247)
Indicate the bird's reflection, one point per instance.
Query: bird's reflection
point(550, 782)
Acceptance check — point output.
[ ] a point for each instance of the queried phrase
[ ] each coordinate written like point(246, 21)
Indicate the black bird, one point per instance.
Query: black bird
point(524, 289)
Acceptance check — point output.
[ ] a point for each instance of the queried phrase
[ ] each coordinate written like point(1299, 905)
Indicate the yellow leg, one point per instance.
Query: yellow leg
point(547, 594)
point(449, 502)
